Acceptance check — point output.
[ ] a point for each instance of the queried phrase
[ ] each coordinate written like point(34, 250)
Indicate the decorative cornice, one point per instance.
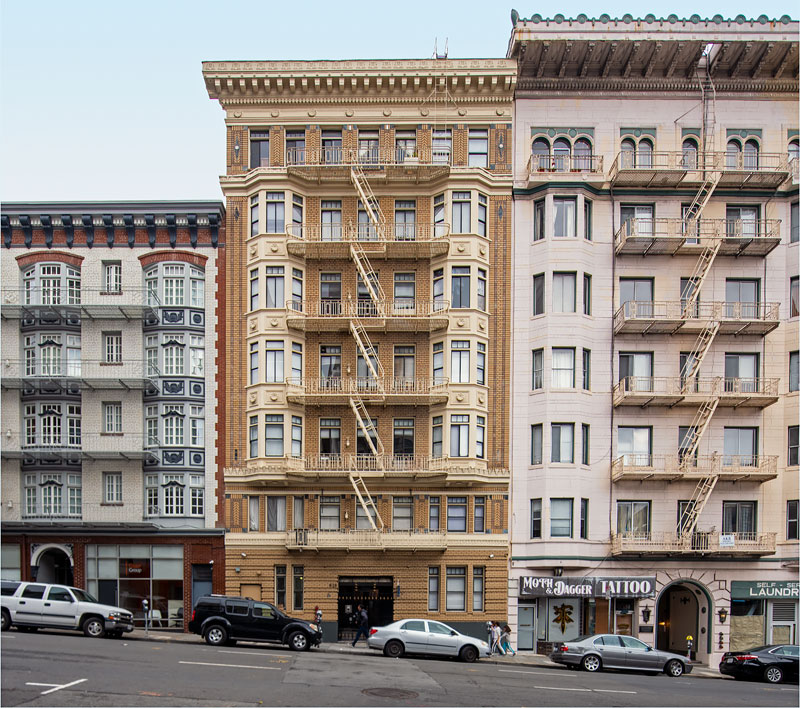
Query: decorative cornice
point(596, 84)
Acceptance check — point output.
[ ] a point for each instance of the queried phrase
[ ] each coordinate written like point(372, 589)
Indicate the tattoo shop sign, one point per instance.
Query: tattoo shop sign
point(640, 586)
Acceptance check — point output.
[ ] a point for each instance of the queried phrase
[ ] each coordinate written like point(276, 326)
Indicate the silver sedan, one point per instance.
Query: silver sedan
point(419, 636)
point(618, 651)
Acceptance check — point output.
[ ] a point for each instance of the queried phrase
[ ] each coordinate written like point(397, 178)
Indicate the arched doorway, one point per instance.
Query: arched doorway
point(54, 566)
point(683, 608)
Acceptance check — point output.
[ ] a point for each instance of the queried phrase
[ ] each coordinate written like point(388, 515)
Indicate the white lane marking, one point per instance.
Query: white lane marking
point(231, 666)
point(58, 687)
point(251, 653)
point(557, 688)
point(610, 690)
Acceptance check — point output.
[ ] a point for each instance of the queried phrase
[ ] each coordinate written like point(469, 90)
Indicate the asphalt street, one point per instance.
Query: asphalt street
point(56, 669)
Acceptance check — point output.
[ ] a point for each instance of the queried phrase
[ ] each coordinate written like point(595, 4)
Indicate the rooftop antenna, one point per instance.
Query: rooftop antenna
point(436, 54)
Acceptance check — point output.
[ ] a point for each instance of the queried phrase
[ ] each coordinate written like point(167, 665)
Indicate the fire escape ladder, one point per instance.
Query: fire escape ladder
point(367, 427)
point(368, 199)
point(695, 506)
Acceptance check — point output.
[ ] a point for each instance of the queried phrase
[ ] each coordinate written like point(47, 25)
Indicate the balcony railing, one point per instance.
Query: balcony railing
point(18, 373)
point(98, 446)
point(366, 386)
point(642, 236)
point(669, 390)
point(669, 315)
point(401, 232)
point(368, 157)
point(565, 163)
point(96, 302)
point(367, 309)
point(752, 162)
point(642, 466)
point(750, 543)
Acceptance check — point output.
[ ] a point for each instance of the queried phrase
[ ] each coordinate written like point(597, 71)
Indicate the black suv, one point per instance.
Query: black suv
point(222, 620)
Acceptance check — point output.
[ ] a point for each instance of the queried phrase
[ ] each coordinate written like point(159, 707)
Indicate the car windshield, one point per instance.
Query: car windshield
point(82, 595)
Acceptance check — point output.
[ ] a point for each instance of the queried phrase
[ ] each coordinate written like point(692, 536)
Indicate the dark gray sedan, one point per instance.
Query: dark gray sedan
point(618, 651)
point(420, 636)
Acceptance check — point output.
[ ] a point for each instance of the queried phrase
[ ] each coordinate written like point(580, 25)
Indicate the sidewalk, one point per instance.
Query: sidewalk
point(521, 659)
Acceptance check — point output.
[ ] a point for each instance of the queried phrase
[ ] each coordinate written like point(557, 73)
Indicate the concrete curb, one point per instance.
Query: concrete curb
point(530, 660)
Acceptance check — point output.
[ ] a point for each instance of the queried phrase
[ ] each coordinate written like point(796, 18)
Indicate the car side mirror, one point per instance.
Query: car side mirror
point(453, 633)
point(649, 648)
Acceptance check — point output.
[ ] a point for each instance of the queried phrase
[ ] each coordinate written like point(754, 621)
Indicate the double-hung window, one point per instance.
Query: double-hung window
point(259, 148)
point(297, 436)
point(478, 147)
point(331, 213)
point(404, 292)
point(562, 448)
point(329, 513)
point(439, 225)
point(405, 218)
point(564, 292)
point(461, 213)
point(587, 370)
point(459, 436)
point(254, 289)
point(536, 444)
point(403, 440)
point(274, 361)
point(273, 435)
point(456, 589)
point(112, 277)
point(481, 356)
point(253, 435)
point(483, 208)
point(295, 147)
point(276, 513)
point(174, 425)
point(112, 347)
point(564, 225)
point(253, 362)
point(437, 436)
point(254, 215)
point(274, 283)
point(536, 518)
point(438, 289)
point(433, 589)
point(438, 363)
point(480, 437)
point(276, 221)
point(460, 285)
point(793, 451)
point(457, 514)
point(563, 368)
point(402, 513)
point(635, 445)
point(112, 487)
point(482, 289)
point(459, 361)
point(112, 417)
point(561, 518)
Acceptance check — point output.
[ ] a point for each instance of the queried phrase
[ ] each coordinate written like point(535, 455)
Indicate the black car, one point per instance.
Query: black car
point(223, 620)
point(773, 663)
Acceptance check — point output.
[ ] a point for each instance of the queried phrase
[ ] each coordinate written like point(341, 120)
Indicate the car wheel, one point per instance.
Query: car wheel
point(393, 649)
point(591, 663)
point(298, 641)
point(6, 620)
point(94, 627)
point(674, 668)
point(216, 635)
point(469, 654)
point(773, 674)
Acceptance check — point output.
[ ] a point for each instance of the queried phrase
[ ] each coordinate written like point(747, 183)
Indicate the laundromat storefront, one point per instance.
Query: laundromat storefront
point(764, 612)
point(553, 609)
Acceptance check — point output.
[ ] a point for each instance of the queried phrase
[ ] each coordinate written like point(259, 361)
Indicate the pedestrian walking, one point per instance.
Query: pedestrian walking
point(505, 641)
point(363, 624)
point(496, 639)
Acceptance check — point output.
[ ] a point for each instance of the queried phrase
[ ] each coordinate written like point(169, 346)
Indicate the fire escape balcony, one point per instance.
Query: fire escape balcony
point(653, 169)
point(671, 316)
point(77, 447)
point(390, 316)
point(401, 164)
point(674, 236)
point(394, 390)
point(643, 391)
point(554, 168)
point(395, 241)
point(82, 374)
point(641, 467)
point(764, 170)
point(698, 543)
point(89, 303)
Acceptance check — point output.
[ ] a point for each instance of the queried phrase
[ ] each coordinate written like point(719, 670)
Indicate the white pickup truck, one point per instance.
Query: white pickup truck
point(34, 605)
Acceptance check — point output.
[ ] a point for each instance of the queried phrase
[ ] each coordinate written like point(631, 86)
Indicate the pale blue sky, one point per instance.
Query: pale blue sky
point(105, 100)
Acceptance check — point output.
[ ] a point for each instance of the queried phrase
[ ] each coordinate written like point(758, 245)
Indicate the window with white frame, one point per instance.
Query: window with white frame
point(52, 284)
point(197, 353)
point(253, 362)
point(173, 489)
point(462, 220)
point(405, 220)
point(174, 284)
point(151, 494)
point(173, 417)
point(112, 347)
point(297, 361)
point(112, 487)
point(433, 589)
point(168, 283)
point(151, 425)
point(478, 147)
point(404, 291)
point(563, 292)
point(273, 435)
point(438, 289)
point(112, 417)
point(457, 514)
point(253, 435)
point(274, 287)
point(481, 356)
point(562, 447)
point(483, 208)
point(254, 289)
point(52, 494)
point(402, 513)
point(438, 362)
point(456, 589)
point(151, 354)
point(197, 285)
point(297, 289)
point(196, 426)
point(274, 361)
point(459, 361)
point(297, 436)
point(173, 346)
point(197, 494)
point(481, 301)
point(561, 518)
point(459, 436)
point(478, 575)
point(329, 513)
point(437, 439)
point(112, 276)
point(564, 223)
point(480, 437)
point(254, 216)
point(276, 221)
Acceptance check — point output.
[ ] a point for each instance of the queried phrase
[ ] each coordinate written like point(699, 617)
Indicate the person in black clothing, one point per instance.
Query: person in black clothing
point(363, 624)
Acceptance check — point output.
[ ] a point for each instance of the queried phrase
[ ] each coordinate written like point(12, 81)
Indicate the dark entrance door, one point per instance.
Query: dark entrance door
point(54, 567)
point(374, 593)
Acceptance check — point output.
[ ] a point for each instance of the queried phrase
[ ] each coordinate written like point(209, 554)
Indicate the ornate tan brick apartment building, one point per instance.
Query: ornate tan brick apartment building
point(366, 429)
point(655, 304)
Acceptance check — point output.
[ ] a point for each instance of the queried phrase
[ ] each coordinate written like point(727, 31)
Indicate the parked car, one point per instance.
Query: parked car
point(772, 663)
point(618, 651)
point(34, 605)
point(419, 636)
point(220, 619)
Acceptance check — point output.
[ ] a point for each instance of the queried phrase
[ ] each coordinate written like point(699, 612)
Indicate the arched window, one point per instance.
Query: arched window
point(628, 153)
point(583, 155)
point(751, 155)
point(645, 154)
point(733, 154)
point(689, 154)
point(541, 154)
point(794, 150)
point(561, 153)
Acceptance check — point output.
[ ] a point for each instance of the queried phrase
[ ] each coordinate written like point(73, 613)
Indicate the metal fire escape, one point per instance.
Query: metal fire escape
point(375, 380)
point(708, 162)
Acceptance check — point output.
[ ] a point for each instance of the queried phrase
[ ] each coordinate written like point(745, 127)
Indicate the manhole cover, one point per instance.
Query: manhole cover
point(389, 693)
